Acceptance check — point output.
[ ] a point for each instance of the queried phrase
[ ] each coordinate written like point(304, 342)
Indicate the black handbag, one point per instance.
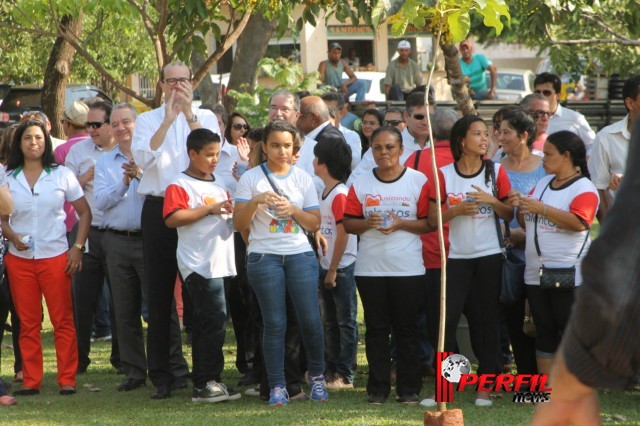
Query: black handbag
point(512, 282)
point(561, 278)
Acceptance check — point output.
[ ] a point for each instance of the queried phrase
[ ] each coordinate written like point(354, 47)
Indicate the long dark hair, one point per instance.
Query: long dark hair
point(16, 156)
point(363, 140)
point(566, 141)
point(521, 122)
point(458, 133)
point(227, 129)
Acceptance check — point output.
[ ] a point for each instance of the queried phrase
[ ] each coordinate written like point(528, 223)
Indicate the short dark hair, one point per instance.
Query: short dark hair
point(105, 106)
point(566, 141)
point(387, 129)
point(416, 99)
point(336, 154)
point(255, 134)
point(631, 88)
point(198, 138)
point(280, 126)
point(497, 116)
point(16, 156)
point(220, 109)
point(521, 121)
point(334, 97)
point(459, 132)
point(547, 77)
point(394, 110)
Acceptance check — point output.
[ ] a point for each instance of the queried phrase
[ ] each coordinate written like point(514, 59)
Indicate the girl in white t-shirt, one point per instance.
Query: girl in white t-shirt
point(475, 260)
point(277, 203)
point(387, 207)
point(564, 206)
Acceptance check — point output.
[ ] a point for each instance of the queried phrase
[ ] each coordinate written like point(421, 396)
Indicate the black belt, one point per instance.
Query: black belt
point(125, 233)
point(96, 228)
point(154, 198)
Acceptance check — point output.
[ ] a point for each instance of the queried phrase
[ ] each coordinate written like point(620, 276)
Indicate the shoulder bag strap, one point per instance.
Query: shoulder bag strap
point(279, 192)
point(494, 190)
point(417, 161)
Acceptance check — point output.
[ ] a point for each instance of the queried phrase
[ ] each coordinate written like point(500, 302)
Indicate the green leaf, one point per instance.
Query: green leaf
point(377, 14)
point(459, 25)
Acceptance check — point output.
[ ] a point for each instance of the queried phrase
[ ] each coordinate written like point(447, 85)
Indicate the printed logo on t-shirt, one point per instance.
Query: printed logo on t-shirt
point(543, 222)
point(327, 225)
point(484, 210)
point(208, 200)
point(284, 226)
point(377, 203)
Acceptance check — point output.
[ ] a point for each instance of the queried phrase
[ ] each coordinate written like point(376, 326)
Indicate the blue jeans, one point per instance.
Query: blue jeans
point(340, 324)
point(359, 89)
point(208, 327)
point(271, 277)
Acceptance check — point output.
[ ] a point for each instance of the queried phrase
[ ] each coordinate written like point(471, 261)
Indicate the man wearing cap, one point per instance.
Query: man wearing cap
point(473, 68)
point(331, 74)
point(403, 75)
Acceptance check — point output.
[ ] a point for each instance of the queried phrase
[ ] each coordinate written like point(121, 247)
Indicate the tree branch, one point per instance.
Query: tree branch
point(604, 26)
point(29, 30)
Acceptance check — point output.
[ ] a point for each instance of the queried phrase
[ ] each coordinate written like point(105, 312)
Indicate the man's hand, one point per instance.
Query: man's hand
point(615, 181)
point(130, 171)
point(184, 95)
point(86, 177)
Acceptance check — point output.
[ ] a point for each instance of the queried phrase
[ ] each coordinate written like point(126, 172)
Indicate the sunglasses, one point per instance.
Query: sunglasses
point(95, 124)
point(545, 92)
point(393, 123)
point(419, 116)
point(539, 113)
point(239, 126)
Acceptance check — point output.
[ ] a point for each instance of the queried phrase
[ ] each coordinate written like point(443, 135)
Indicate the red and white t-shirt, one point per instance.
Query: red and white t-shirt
point(332, 209)
point(560, 247)
point(205, 246)
point(268, 233)
point(398, 253)
point(472, 236)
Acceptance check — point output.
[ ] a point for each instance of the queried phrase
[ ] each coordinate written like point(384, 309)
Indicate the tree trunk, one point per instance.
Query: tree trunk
point(206, 89)
point(57, 74)
point(459, 89)
point(252, 44)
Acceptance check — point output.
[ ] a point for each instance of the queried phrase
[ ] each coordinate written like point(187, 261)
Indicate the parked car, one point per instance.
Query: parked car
point(374, 85)
point(28, 98)
point(513, 84)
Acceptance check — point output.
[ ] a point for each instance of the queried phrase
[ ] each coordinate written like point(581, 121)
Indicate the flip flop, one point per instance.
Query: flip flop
point(7, 400)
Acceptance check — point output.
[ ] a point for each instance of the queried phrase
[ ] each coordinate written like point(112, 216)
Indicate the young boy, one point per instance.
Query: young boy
point(332, 164)
point(199, 207)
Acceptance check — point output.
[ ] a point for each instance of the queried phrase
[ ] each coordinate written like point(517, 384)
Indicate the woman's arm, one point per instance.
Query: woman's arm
point(308, 219)
point(563, 219)
point(415, 226)
point(244, 212)
point(6, 202)
point(464, 208)
point(74, 255)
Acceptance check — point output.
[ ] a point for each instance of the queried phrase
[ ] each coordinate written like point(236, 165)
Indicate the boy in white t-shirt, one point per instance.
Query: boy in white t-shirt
point(337, 261)
point(200, 207)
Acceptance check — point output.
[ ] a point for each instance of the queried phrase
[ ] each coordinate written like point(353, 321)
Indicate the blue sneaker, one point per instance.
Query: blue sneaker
point(278, 396)
point(318, 388)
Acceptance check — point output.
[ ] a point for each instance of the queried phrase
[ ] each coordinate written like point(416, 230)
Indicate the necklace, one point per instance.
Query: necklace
point(563, 179)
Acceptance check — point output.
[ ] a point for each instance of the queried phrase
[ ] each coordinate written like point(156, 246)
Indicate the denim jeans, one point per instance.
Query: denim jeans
point(209, 325)
point(340, 324)
point(271, 276)
point(359, 89)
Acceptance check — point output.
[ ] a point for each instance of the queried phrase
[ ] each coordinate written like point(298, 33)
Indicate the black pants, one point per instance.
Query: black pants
point(161, 267)
point(524, 347)
point(473, 288)
point(550, 309)
point(392, 303)
point(7, 303)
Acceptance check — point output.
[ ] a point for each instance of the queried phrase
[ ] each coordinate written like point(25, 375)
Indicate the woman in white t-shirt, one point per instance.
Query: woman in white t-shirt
point(387, 207)
point(475, 259)
point(39, 262)
point(560, 210)
point(277, 202)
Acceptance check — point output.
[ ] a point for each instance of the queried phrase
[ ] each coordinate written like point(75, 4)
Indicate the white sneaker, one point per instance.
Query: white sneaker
point(429, 402)
point(253, 391)
point(483, 402)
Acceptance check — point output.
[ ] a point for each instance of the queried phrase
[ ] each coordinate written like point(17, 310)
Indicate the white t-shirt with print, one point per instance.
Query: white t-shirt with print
point(560, 247)
point(269, 234)
point(472, 236)
point(205, 246)
point(332, 209)
point(398, 253)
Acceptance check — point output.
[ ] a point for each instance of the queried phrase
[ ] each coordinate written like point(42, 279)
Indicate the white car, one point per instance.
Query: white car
point(374, 85)
point(513, 84)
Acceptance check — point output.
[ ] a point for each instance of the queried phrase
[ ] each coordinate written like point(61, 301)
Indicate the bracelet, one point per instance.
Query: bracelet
point(544, 211)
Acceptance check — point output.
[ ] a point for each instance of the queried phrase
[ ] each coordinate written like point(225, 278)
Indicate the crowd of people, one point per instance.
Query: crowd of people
point(280, 227)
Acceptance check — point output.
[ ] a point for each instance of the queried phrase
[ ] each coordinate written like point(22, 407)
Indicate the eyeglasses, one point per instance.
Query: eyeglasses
point(239, 126)
point(95, 124)
point(393, 123)
point(539, 113)
point(276, 108)
point(173, 81)
point(419, 116)
point(545, 92)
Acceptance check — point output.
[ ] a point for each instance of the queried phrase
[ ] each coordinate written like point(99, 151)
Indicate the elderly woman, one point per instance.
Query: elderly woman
point(558, 215)
point(387, 208)
point(39, 257)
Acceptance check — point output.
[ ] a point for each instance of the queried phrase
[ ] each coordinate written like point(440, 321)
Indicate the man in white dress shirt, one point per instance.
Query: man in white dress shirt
point(159, 148)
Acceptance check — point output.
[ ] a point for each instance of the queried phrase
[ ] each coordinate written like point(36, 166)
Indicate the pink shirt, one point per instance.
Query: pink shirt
point(538, 143)
point(60, 155)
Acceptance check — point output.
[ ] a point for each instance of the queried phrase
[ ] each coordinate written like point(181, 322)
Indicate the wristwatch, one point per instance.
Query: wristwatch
point(140, 173)
point(193, 119)
point(80, 247)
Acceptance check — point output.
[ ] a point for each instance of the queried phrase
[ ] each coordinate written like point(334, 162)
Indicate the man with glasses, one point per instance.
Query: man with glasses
point(284, 105)
point(538, 106)
point(394, 117)
point(159, 148)
point(88, 282)
point(550, 85)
